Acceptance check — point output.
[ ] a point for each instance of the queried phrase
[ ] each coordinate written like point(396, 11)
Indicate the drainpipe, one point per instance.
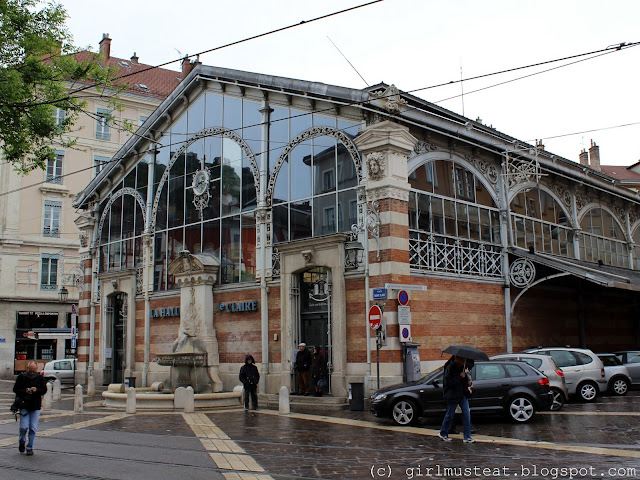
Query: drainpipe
point(146, 275)
point(262, 219)
point(506, 238)
point(363, 195)
point(92, 322)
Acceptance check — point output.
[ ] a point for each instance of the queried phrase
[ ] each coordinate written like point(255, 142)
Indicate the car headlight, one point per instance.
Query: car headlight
point(379, 397)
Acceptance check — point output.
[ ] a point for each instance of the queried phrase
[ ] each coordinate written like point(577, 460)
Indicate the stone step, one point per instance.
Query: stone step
point(300, 403)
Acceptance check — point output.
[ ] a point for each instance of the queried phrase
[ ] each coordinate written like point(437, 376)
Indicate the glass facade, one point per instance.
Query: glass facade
point(602, 239)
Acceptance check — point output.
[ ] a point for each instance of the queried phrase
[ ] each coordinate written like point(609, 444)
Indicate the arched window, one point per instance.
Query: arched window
point(602, 239)
point(454, 224)
point(636, 248)
point(539, 221)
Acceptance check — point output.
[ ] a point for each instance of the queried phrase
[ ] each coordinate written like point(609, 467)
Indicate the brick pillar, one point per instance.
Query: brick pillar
point(85, 222)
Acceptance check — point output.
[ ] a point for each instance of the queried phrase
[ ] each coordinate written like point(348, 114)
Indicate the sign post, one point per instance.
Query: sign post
point(375, 320)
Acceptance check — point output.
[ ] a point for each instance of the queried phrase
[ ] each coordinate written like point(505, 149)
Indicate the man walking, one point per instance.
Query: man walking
point(30, 387)
point(303, 365)
point(457, 388)
point(250, 376)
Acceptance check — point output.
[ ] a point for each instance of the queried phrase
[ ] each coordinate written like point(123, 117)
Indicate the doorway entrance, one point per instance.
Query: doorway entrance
point(315, 315)
point(115, 339)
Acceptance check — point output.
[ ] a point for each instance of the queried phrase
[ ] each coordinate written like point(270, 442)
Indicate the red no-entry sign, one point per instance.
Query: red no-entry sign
point(375, 316)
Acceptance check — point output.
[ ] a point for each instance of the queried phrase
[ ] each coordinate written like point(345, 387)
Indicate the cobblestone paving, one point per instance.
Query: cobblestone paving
point(600, 440)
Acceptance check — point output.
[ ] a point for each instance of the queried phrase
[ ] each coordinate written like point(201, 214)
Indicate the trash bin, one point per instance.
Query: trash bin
point(356, 397)
point(130, 382)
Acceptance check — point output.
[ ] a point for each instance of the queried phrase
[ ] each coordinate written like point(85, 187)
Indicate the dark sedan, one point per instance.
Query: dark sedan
point(508, 387)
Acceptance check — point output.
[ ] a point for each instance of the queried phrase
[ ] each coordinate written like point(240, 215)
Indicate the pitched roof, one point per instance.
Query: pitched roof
point(620, 172)
point(159, 82)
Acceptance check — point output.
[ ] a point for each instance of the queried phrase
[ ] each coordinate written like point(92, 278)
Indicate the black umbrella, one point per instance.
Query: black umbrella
point(466, 352)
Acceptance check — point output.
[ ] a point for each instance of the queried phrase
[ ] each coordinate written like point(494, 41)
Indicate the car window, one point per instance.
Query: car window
point(583, 358)
point(534, 362)
point(563, 358)
point(66, 365)
point(634, 359)
point(610, 361)
point(56, 366)
point(489, 372)
point(515, 371)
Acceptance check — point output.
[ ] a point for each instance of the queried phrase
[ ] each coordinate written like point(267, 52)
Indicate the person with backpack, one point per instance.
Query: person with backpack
point(30, 387)
point(250, 376)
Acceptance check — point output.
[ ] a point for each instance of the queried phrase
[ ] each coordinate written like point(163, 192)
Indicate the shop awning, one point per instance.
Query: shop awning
point(605, 275)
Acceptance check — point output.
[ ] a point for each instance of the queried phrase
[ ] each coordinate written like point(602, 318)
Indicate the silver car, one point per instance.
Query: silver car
point(616, 374)
point(631, 360)
point(583, 370)
point(545, 365)
point(63, 370)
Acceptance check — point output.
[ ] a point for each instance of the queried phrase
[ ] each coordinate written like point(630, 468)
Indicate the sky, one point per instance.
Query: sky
point(415, 44)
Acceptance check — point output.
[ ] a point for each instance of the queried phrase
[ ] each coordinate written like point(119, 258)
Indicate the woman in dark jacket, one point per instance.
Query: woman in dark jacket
point(250, 376)
point(457, 383)
point(318, 370)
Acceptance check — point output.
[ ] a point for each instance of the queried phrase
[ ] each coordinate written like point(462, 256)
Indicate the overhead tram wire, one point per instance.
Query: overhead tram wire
point(588, 131)
point(220, 47)
point(622, 46)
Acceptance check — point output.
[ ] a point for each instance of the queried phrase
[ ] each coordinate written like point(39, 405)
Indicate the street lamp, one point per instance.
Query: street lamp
point(63, 294)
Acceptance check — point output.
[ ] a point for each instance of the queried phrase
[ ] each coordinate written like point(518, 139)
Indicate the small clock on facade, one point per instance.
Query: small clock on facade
point(200, 182)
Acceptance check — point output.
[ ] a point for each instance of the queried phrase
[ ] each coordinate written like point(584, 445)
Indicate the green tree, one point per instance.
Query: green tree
point(38, 70)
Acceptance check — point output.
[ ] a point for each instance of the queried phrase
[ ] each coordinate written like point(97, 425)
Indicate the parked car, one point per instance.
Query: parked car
point(512, 388)
point(545, 365)
point(631, 360)
point(583, 370)
point(616, 374)
point(63, 370)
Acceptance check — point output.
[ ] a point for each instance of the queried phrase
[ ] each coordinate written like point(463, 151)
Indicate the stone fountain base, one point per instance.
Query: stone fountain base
point(187, 369)
point(174, 401)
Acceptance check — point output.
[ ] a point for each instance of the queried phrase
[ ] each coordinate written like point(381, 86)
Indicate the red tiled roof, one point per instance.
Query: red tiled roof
point(160, 82)
point(620, 172)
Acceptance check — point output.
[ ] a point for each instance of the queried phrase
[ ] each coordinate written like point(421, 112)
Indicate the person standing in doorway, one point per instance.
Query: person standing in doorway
point(303, 367)
point(456, 383)
point(250, 376)
point(318, 370)
point(31, 387)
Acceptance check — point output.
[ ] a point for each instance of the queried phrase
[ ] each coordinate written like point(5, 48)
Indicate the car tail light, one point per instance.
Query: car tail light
point(543, 381)
point(560, 373)
point(602, 372)
point(42, 373)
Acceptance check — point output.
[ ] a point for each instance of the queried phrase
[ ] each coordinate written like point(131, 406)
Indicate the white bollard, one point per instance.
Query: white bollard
point(284, 406)
point(57, 390)
point(91, 386)
point(47, 398)
point(78, 403)
point(179, 398)
point(131, 400)
point(189, 401)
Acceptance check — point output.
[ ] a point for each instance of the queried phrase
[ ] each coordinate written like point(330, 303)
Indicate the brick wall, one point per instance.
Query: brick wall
point(238, 332)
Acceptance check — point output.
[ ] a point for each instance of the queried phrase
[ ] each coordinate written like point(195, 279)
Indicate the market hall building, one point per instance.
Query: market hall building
point(287, 202)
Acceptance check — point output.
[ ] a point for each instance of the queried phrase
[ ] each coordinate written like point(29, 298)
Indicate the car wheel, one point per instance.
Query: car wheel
point(405, 412)
point(588, 391)
point(558, 399)
point(521, 409)
point(619, 386)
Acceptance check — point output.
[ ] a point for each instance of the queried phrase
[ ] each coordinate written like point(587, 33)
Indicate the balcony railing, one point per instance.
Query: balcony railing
point(594, 248)
point(51, 232)
point(438, 253)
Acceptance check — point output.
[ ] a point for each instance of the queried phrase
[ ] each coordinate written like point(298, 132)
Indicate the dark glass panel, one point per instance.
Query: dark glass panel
point(474, 223)
point(139, 252)
point(230, 249)
point(176, 193)
point(462, 217)
point(278, 135)
point(483, 197)
point(195, 116)
point(213, 155)
point(347, 173)
point(424, 212)
point(104, 257)
point(281, 191)
point(450, 217)
point(231, 176)
point(324, 165)
point(211, 237)
point(130, 179)
point(191, 213)
point(347, 210)
point(114, 255)
point(161, 215)
point(320, 120)
point(325, 216)
point(443, 178)
point(300, 121)
point(437, 214)
point(213, 114)
point(301, 171)
point(412, 208)
point(248, 186)
point(127, 253)
point(179, 133)
point(104, 234)
point(142, 177)
point(248, 260)
point(192, 238)
point(517, 204)
point(195, 153)
point(280, 220)
point(175, 243)
point(233, 113)
point(213, 209)
point(350, 128)
point(139, 229)
point(129, 206)
point(116, 220)
point(495, 227)
point(252, 126)
point(160, 261)
point(300, 219)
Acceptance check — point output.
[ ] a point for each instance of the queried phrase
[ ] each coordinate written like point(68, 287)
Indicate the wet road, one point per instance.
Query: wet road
point(600, 440)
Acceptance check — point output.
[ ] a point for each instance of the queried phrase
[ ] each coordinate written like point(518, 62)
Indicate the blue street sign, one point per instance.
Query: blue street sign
point(379, 293)
point(73, 342)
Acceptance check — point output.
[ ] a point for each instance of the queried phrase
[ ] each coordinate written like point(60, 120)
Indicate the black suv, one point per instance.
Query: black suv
point(508, 387)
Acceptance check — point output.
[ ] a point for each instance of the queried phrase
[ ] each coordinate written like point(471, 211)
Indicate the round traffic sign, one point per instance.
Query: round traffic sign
point(375, 316)
point(403, 297)
point(406, 333)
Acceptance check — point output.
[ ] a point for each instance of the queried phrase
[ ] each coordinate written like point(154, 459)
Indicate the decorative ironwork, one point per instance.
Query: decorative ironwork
point(207, 132)
point(370, 223)
point(582, 201)
point(307, 135)
point(438, 253)
point(97, 292)
point(123, 191)
point(139, 281)
point(522, 272)
point(424, 147)
point(275, 261)
point(522, 170)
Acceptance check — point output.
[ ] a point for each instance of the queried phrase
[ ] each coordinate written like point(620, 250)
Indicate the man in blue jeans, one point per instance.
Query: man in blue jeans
point(30, 387)
point(456, 383)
